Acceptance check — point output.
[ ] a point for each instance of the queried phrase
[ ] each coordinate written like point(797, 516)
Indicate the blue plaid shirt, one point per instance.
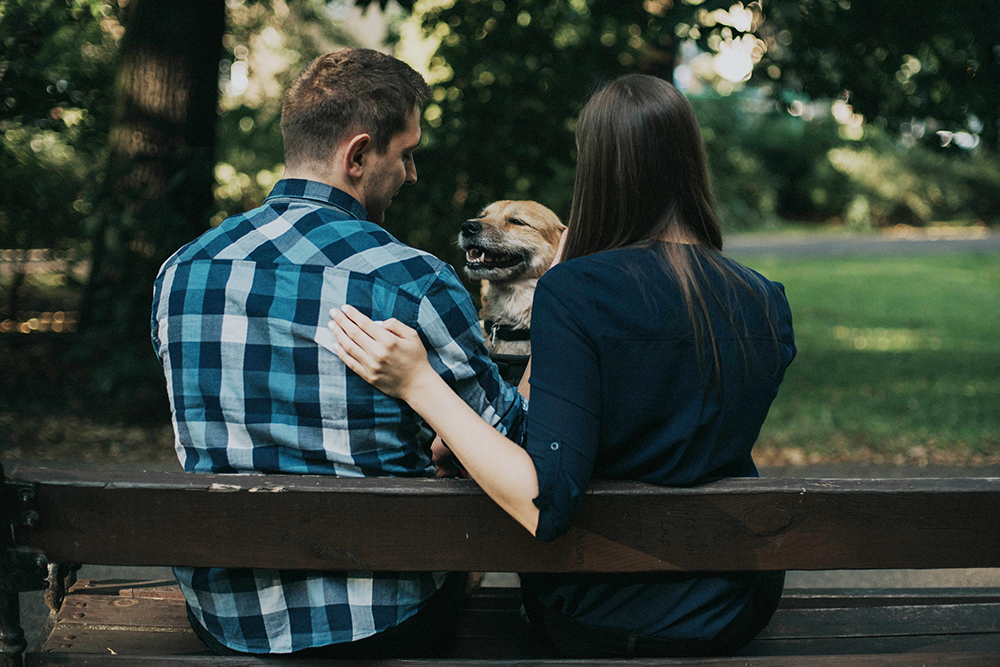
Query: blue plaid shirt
point(239, 324)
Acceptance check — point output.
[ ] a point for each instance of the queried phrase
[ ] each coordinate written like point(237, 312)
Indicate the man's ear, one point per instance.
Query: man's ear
point(356, 155)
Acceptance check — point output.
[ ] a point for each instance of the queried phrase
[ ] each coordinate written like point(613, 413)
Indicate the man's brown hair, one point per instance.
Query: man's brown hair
point(348, 91)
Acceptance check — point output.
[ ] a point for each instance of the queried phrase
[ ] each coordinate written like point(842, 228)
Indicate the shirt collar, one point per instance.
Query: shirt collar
point(319, 192)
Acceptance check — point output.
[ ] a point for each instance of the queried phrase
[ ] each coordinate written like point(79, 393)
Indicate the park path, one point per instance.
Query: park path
point(902, 242)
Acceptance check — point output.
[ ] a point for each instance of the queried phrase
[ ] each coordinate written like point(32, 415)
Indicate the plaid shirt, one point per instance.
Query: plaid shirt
point(239, 321)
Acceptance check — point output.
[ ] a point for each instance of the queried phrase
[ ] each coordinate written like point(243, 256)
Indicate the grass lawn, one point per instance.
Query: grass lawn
point(899, 360)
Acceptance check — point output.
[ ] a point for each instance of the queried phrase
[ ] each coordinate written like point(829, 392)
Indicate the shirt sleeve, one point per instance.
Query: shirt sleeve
point(449, 325)
point(564, 423)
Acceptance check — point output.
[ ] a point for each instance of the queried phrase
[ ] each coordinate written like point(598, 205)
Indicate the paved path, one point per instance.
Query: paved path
point(905, 243)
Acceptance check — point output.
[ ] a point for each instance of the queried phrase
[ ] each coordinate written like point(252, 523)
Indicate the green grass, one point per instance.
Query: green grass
point(899, 362)
point(899, 359)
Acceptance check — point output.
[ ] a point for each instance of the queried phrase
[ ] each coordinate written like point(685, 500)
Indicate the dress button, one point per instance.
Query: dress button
point(554, 446)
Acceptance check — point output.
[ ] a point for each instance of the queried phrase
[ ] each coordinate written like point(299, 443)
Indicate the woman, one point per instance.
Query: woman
point(655, 359)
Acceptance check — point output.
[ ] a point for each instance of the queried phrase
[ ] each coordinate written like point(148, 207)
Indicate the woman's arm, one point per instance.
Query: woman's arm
point(391, 356)
point(524, 386)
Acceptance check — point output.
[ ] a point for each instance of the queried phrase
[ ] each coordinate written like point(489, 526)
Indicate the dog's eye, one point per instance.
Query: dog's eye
point(519, 223)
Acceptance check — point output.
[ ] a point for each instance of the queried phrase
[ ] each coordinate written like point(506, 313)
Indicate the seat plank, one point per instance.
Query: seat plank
point(971, 659)
point(73, 643)
point(109, 611)
point(492, 628)
point(155, 589)
point(895, 621)
point(803, 598)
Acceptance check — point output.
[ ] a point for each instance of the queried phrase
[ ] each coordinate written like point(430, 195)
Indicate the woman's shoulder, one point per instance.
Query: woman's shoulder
point(601, 265)
point(623, 280)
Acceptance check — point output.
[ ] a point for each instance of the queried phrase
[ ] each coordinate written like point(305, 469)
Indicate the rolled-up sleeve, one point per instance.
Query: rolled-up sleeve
point(564, 422)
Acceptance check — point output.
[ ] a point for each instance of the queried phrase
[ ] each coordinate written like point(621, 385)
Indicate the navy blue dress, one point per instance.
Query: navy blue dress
point(620, 390)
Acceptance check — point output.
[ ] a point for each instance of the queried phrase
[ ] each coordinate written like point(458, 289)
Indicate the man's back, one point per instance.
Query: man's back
point(236, 320)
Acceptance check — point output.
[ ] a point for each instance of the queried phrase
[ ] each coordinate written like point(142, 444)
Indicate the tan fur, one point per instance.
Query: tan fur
point(509, 258)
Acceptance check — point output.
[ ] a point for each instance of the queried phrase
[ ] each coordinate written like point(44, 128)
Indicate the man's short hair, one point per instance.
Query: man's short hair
point(348, 91)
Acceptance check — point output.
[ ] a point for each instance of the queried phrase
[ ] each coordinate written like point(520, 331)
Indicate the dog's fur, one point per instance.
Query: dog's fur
point(508, 247)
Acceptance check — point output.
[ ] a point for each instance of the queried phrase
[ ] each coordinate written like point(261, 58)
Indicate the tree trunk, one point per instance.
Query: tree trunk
point(157, 193)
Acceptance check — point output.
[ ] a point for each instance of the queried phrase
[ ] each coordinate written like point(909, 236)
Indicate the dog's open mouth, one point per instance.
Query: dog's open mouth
point(483, 259)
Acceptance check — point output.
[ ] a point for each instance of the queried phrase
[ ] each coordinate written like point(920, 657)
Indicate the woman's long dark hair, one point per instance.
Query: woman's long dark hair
point(642, 177)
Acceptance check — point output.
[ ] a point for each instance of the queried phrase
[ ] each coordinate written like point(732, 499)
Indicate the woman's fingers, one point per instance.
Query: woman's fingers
point(361, 328)
point(353, 364)
point(396, 327)
point(354, 355)
point(388, 354)
point(361, 320)
point(349, 334)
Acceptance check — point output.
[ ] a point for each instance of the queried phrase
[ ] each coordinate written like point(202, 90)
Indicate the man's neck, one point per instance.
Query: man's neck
point(327, 177)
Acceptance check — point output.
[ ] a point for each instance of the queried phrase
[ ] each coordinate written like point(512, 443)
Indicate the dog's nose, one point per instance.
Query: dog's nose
point(470, 227)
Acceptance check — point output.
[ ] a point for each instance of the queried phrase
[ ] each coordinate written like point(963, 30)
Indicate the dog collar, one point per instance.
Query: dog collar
point(506, 332)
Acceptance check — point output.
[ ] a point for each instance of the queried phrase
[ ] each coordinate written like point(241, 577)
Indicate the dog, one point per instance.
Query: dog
point(508, 247)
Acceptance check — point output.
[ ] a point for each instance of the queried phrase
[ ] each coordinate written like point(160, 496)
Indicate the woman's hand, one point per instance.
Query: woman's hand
point(391, 356)
point(388, 355)
point(444, 461)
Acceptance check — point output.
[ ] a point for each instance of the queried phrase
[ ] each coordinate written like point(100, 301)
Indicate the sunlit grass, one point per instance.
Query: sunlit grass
point(899, 359)
point(899, 362)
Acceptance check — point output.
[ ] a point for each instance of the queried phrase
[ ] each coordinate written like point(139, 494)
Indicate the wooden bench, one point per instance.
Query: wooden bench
point(157, 519)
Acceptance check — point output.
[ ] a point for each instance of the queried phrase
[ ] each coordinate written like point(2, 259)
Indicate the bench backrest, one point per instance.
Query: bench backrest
point(312, 522)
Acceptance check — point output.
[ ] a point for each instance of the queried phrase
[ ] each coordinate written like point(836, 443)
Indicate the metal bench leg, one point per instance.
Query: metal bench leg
point(12, 642)
point(20, 569)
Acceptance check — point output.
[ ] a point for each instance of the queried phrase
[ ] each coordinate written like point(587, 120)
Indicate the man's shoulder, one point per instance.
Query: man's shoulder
point(371, 250)
point(306, 234)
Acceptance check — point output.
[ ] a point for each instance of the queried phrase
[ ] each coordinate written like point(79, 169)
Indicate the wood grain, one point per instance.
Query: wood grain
point(308, 522)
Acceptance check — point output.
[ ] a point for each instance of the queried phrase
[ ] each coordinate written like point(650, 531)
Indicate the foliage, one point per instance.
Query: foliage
point(511, 78)
point(265, 45)
point(54, 117)
point(889, 184)
point(912, 67)
point(769, 165)
point(747, 189)
point(882, 367)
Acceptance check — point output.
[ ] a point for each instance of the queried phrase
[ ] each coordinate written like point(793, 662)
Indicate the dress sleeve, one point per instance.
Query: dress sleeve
point(449, 325)
point(564, 422)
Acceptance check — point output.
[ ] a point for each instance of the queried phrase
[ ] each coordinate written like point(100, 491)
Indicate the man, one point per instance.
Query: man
point(237, 315)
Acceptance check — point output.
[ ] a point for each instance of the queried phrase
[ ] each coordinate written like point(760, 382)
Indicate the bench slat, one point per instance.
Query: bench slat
point(108, 611)
point(315, 522)
point(900, 621)
point(491, 627)
point(963, 659)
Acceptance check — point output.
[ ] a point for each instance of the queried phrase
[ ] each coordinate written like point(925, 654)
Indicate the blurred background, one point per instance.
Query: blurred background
point(868, 129)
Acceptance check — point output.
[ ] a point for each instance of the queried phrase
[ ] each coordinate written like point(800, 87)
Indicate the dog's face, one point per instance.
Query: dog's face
point(510, 240)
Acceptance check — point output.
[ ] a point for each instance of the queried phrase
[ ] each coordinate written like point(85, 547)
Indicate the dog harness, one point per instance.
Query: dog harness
point(505, 332)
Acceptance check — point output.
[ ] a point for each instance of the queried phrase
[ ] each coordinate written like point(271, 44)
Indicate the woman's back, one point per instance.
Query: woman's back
point(620, 388)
